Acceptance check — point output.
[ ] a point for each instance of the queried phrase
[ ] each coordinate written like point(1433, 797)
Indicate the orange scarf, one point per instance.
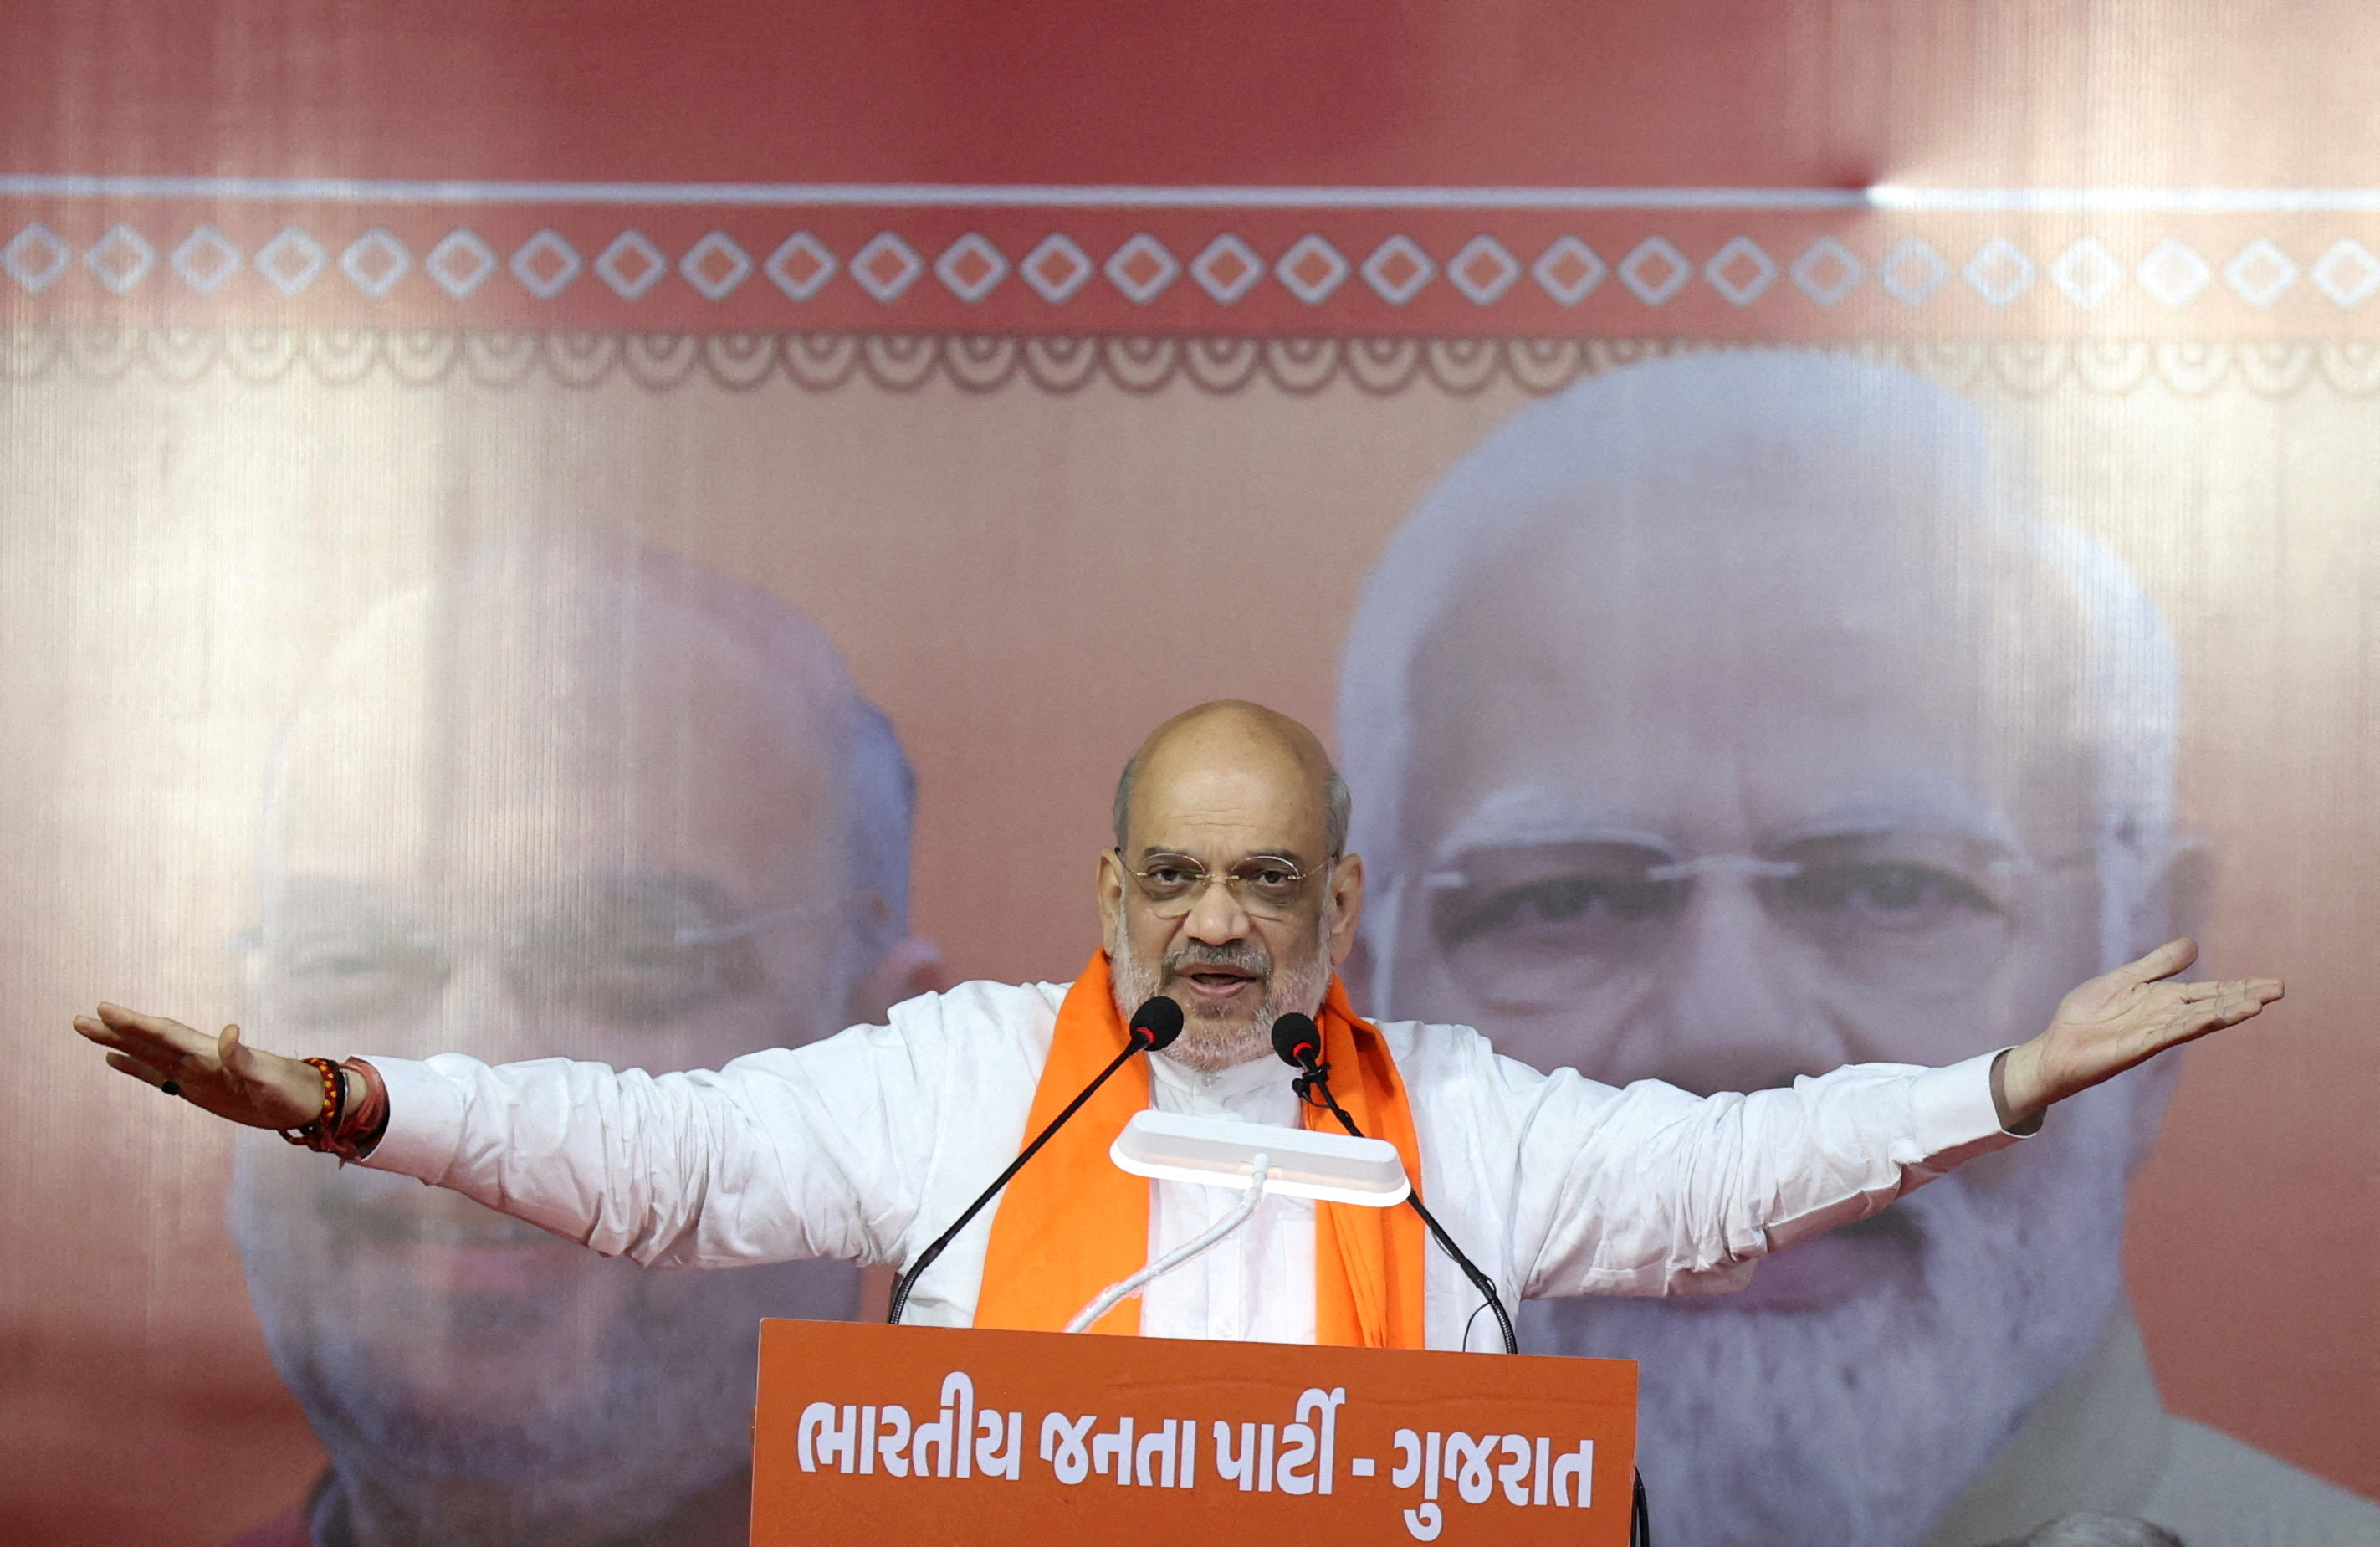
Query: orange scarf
point(1072, 1223)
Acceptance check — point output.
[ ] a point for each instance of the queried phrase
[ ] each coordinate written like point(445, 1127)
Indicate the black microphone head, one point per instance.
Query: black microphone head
point(1157, 1023)
point(1298, 1041)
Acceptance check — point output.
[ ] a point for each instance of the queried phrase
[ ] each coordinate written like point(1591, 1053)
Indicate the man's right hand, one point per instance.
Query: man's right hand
point(219, 1073)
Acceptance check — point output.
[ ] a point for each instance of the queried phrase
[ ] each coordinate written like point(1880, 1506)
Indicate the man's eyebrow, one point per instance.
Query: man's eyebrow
point(1530, 816)
point(1934, 804)
point(1522, 816)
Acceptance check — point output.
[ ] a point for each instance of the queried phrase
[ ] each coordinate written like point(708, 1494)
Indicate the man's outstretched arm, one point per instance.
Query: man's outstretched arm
point(786, 1153)
point(2115, 1021)
point(1663, 1191)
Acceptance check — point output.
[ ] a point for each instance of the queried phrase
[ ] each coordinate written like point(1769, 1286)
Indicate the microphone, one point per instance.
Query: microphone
point(1299, 1042)
point(1154, 1027)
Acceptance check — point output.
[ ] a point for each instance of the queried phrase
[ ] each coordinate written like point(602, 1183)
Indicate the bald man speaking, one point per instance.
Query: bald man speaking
point(1228, 891)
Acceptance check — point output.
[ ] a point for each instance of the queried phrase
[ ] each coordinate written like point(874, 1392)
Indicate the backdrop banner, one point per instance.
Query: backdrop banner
point(641, 537)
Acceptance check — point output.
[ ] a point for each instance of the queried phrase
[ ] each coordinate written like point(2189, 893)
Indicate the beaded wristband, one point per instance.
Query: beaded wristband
point(321, 1134)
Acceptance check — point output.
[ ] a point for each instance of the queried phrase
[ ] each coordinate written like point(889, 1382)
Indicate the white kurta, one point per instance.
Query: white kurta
point(866, 1146)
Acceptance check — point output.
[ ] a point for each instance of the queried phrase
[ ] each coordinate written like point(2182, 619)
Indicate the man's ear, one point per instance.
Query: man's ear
point(2176, 903)
point(1110, 894)
point(1346, 907)
point(911, 967)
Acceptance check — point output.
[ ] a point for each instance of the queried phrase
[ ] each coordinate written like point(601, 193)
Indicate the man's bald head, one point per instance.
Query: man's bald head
point(1231, 741)
point(1227, 889)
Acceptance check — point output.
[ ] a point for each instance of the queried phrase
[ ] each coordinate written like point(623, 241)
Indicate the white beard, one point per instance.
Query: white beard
point(1855, 1425)
point(1214, 1039)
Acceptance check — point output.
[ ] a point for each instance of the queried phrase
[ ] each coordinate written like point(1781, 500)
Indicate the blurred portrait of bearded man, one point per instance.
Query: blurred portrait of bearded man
point(1730, 718)
point(572, 799)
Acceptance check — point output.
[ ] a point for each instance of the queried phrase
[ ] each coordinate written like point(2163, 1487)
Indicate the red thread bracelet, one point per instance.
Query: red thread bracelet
point(322, 1133)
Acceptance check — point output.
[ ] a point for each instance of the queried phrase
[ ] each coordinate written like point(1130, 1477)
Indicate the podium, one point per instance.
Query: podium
point(946, 1434)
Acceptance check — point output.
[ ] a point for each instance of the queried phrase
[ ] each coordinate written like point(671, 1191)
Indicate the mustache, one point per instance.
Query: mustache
point(1246, 955)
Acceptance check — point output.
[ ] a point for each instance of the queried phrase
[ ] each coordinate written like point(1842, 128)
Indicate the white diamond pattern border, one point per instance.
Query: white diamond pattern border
point(545, 264)
point(2174, 272)
point(121, 258)
point(816, 261)
point(1913, 272)
point(1484, 269)
point(2347, 272)
point(1397, 270)
point(1246, 273)
point(1041, 268)
point(886, 284)
point(971, 268)
point(1810, 270)
point(1411, 267)
point(1999, 271)
point(631, 265)
point(206, 260)
point(1720, 270)
point(715, 266)
point(2260, 273)
point(36, 257)
point(1635, 271)
point(461, 263)
point(1316, 288)
point(2086, 272)
point(291, 260)
point(374, 261)
point(1142, 268)
point(1569, 271)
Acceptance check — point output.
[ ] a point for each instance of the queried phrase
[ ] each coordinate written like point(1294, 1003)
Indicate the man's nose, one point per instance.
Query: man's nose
point(1216, 917)
point(1732, 1007)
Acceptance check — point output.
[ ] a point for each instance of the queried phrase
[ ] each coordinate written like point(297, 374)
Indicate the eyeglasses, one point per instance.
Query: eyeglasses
point(1531, 927)
point(1266, 885)
point(635, 953)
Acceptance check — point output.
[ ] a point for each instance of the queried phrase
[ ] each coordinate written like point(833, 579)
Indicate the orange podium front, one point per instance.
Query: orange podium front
point(939, 1435)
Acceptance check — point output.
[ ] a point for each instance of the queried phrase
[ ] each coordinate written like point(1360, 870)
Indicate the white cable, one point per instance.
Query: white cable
point(1124, 1289)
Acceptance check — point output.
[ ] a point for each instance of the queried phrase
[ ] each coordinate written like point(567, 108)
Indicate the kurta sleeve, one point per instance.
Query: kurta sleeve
point(1652, 1191)
point(791, 1153)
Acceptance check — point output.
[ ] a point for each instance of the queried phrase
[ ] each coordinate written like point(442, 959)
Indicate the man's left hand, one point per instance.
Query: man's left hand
point(2118, 1019)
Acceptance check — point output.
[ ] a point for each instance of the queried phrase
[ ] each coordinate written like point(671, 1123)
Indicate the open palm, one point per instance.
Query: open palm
point(2124, 1017)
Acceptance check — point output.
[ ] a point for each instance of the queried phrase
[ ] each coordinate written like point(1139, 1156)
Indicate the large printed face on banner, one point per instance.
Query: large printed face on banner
point(584, 804)
point(1725, 721)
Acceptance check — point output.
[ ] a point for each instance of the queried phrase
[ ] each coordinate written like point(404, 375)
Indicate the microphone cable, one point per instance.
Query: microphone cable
point(1299, 1042)
point(1154, 1026)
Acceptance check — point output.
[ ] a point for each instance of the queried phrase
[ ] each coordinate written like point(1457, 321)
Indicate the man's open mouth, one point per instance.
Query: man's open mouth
point(1216, 982)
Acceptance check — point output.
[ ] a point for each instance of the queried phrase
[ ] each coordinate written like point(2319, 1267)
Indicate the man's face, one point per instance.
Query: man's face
point(593, 851)
point(1739, 800)
point(1226, 897)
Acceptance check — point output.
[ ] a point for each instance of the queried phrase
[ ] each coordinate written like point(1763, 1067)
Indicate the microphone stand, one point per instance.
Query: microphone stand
point(1145, 1035)
point(1316, 1080)
point(1299, 1043)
